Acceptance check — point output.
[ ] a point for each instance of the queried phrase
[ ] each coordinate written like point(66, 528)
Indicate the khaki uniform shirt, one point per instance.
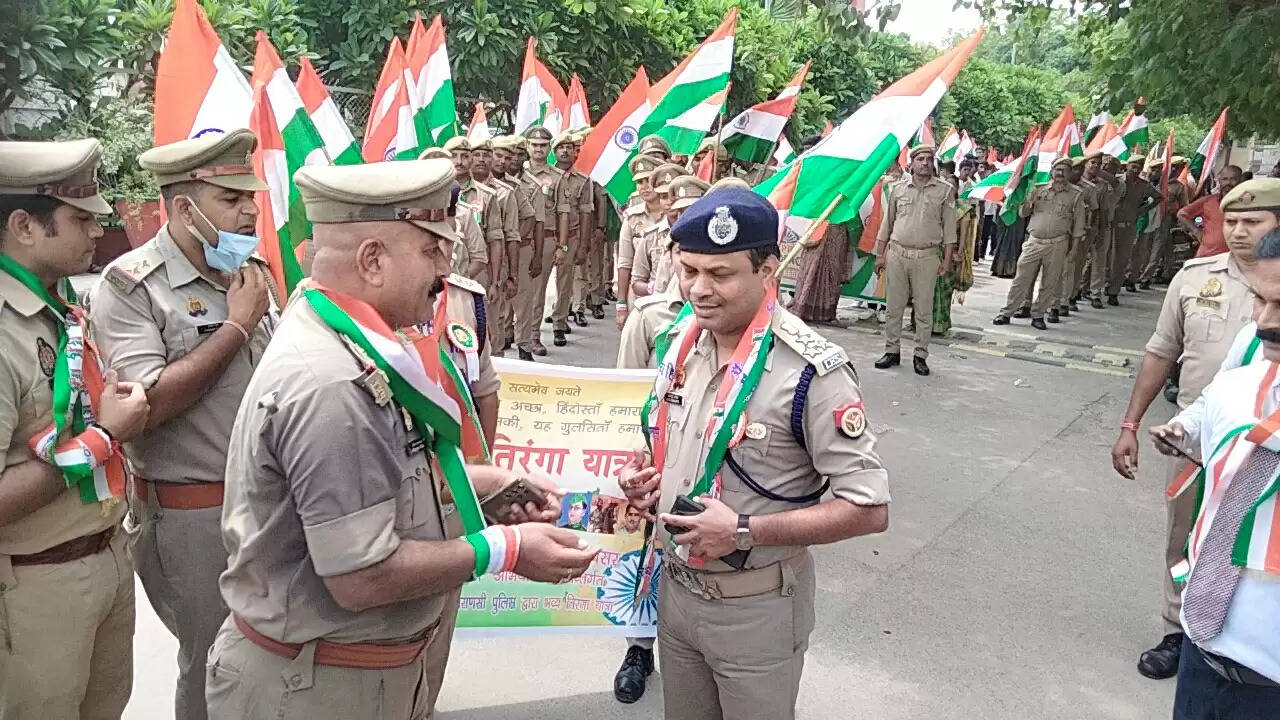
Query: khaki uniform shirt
point(1089, 194)
point(578, 197)
point(635, 220)
point(148, 311)
point(461, 308)
point(1054, 213)
point(30, 341)
point(1207, 303)
point(555, 199)
point(918, 217)
point(530, 191)
point(491, 210)
point(773, 458)
point(1105, 193)
point(471, 246)
point(322, 481)
point(652, 314)
point(652, 261)
point(1130, 197)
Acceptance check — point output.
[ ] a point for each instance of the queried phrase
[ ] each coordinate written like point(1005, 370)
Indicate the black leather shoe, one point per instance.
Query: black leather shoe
point(1161, 661)
point(1000, 320)
point(580, 319)
point(547, 319)
point(1130, 287)
point(608, 295)
point(1023, 313)
point(558, 338)
point(1074, 305)
point(597, 312)
point(628, 684)
point(525, 354)
point(1096, 303)
point(1113, 300)
point(1038, 324)
point(921, 367)
point(1064, 311)
point(889, 360)
point(1170, 392)
point(1144, 286)
point(1053, 317)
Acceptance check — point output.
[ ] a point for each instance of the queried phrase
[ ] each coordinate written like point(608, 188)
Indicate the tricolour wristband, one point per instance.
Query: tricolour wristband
point(497, 548)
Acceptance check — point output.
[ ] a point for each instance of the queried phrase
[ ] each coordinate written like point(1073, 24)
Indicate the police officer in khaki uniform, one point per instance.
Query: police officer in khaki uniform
point(1162, 246)
point(66, 584)
point(580, 215)
point(1134, 196)
point(531, 296)
point(641, 214)
point(1206, 305)
point(1100, 169)
point(470, 253)
point(917, 243)
point(504, 213)
point(652, 246)
point(1073, 268)
point(734, 628)
point(188, 315)
point(593, 274)
point(655, 146)
point(1057, 218)
point(339, 562)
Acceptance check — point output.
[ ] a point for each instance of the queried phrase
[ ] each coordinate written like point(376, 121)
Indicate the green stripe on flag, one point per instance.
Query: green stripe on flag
point(749, 148)
point(300, 139)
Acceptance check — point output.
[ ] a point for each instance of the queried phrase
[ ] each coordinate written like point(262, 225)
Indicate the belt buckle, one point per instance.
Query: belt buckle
point(686, 578)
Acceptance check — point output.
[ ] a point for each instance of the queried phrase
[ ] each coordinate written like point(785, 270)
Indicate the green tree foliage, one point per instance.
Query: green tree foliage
point(998, 102)
point(63, 42)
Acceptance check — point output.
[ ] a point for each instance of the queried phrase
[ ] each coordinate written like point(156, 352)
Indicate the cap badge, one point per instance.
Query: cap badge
point(722, 228)
point(1246, 197)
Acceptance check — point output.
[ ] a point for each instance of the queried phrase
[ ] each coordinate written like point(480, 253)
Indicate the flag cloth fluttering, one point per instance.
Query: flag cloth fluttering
point(950, 143)
point(680, 100)
point(430, 86)
point(1010, 182)
point(199, 89)
point(339, 144)
point(478, 130)
point(390, 128)
point(753, 135)
point(579, 113)
point(1062, 139)
point(1166, 167)
point(287, 140)
point(542, 100)
point(1207, 154)
point(607, 151)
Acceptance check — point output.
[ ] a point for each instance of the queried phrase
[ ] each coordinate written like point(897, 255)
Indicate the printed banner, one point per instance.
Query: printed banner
point(578, 425)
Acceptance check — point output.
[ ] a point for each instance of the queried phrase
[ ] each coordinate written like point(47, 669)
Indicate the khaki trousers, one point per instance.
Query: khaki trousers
point(910, 275)
point(436, 654)
point(1099, 257)
point(496, 306)
point(1161, 249)
point(179, 555)
point(1041, 257)
point(529, 296)
point(245, 682)
point(736, 658)
point(1123, 238)
point(1179, 517)
point(67, 631)
point(1067, 274)
point(607, 270)
point(566, 273)
point(1138, 258)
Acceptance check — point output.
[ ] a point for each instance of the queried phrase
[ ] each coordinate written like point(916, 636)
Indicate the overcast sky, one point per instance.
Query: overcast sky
point(931, 21)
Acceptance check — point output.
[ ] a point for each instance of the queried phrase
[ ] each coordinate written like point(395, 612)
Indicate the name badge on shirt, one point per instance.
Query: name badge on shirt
point(673, 398)
point(415, 445)
point(208, 329)
point(1209, 303)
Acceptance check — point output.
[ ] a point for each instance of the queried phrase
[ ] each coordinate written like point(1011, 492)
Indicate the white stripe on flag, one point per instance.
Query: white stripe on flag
point(275, 165)
point(763, 125)
point(332, 128)
point(863, 131)
point(433, 76)
point(404, 359)
point(615, 155)
point(229, 101)
point(712, 61)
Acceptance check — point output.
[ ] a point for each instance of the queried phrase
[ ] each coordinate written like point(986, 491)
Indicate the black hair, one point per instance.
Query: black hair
point(1269, 246)
point(949, 166)
point(760, 255)
point(1232, 167)
point(40, 207)
point(190, 188)
point(454, 192)
point(809, 141)
point(967, 162)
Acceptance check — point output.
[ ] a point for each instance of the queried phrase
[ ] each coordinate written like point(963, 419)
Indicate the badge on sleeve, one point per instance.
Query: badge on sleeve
point(851, 420)
point(47, 357)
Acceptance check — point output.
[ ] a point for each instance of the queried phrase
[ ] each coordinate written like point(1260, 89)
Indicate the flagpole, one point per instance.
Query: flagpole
point(807, 239)
point(764, 166)
point(715, 149)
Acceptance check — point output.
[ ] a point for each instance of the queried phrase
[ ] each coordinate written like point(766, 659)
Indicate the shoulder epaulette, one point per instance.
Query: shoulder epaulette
point(819, 352)
point(465, 283)
point(650, 300)
point(1207, 260)
point(131, 268)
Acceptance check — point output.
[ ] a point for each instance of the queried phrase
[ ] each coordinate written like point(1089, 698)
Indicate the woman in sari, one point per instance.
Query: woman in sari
point(952, 286)
point(822, 271)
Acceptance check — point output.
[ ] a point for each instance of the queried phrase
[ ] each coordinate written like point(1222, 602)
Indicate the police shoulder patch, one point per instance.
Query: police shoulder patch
point(465, 283)
point(131, 268)
point(824, 355)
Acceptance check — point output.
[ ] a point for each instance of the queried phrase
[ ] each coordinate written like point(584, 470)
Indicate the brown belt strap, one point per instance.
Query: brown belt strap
point(361, 656)
point(174, 496)
point(76, 549)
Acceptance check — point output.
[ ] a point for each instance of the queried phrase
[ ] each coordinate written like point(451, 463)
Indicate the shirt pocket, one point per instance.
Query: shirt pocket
point(1207, 319)
point(751, 455)
point(416, 511)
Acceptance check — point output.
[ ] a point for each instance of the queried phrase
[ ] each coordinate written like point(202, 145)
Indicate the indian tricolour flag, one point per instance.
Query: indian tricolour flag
point(339, 144)
point(1010, 182)
point(784, 153)
point(838, 174)
point(390, 129)
point(684, 106)
point(542, 100)
point(287, 140)
point(478, 131)
point(1131, 133)
point(966, 147)
point(435, 118)
point(754, 133)
point(606, 151)
point(1096, 122)
point(1062, 139)
point(579, 111)
point(1207, 154)
point(199, 89)
point(949, 145)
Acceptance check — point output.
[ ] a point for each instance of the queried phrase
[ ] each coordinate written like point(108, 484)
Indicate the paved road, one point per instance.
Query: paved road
point(1020, 577)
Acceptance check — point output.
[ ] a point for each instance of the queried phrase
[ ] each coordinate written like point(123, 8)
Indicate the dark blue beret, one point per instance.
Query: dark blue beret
point(725, 221)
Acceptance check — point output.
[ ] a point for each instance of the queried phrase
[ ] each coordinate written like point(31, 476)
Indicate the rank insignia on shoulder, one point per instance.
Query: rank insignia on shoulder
point(374, 382)
point(851, 420)
point(465, 283)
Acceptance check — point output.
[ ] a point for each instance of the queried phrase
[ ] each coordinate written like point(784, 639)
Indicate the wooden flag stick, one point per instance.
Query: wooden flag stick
point(807, 240)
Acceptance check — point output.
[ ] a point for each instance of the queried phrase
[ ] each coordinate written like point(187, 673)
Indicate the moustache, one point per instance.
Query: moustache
point(1271, 336)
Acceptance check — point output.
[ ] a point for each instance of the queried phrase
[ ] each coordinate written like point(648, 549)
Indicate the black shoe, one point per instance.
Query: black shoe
point(1096, 303)
point(1161, 661)
point(597, 312)
point(1130, 287)
point(1000, 320)
point(1064, 311)
point(580, 319)
point(628, 684)
point(608, 295)
point(1170, 392)
point(547, 319)
point(889, 360)
point(1038, 324)
point(921, 367)
point(1113, 300)
point(1074, 305)
point(1023, 313)
point(1053, 317)
point(558, 338)
point(525, 354)
point(1144, 286)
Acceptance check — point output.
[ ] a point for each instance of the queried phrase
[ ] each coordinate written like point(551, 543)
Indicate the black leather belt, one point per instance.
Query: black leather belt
point(1235, 672)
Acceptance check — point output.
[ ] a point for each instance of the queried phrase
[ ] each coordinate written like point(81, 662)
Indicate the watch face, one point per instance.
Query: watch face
point(742, 539)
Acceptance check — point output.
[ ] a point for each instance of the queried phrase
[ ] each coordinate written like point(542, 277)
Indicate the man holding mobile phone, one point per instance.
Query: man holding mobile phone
point(1207, 303)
